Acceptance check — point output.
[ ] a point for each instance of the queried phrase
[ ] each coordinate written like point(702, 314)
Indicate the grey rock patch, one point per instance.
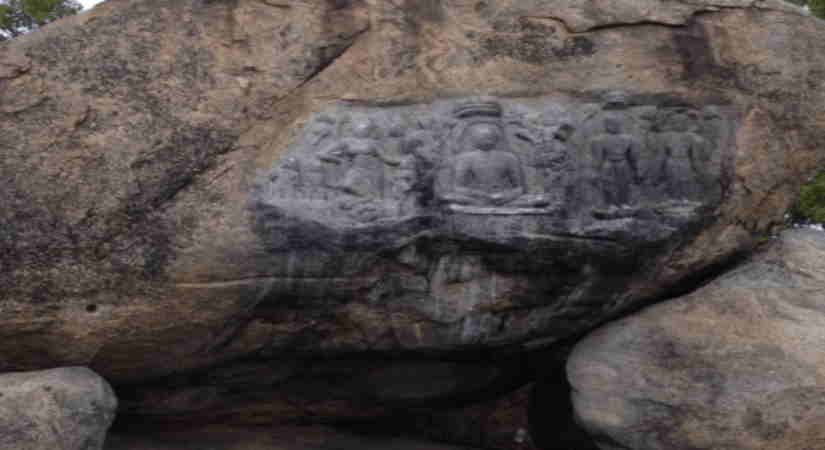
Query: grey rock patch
point(59, 409)
point(729, 366)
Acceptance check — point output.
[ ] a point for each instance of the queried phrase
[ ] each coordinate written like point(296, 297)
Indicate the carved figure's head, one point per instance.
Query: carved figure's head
point(563, 132)
point(411, 144)
point(613, 125)
point(364, 129)
point(616, 100)
point(321, 128)
point(481, 107)
point(680, 123)
point(291, 164)
point(397, 131)
point(484, 136)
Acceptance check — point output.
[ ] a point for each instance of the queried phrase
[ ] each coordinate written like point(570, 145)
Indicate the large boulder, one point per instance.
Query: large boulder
point(58, 409)
point(733, 365)
point(196, 184)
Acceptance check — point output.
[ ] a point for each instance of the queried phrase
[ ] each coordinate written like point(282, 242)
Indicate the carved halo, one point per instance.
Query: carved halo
point(478, 109)
point(475, 113)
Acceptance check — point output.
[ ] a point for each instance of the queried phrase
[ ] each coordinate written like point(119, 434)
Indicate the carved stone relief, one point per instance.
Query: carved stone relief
point(497, 169)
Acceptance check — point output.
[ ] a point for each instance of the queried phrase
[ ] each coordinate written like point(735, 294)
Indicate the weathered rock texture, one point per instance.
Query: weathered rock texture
point(281, 438)
point(59, 409)
point(733, 365)
point(137, 140)
point(501, 423)
point(351, 391)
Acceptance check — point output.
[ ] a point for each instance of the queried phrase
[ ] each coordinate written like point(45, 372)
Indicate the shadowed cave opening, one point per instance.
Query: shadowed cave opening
point(528, 407)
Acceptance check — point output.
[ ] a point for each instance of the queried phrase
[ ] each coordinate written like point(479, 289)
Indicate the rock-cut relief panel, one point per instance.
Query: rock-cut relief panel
point(496, 166)
point(664, 160)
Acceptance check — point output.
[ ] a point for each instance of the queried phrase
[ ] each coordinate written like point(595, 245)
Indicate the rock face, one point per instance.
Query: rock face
point(469, 215)
point(282, 438)
point(730, 366)
point(497, 424)
point(348, 390)
point(189, 186)
point(60, 409)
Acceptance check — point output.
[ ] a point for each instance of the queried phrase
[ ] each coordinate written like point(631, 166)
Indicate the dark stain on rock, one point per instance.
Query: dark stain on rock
point(162, 175)
point(755, 422)
point(482, 8)
point(578, 46)
point(551, 397)
point(426, 10)
point(533, 42)
point(339, 4)
point(692, 44)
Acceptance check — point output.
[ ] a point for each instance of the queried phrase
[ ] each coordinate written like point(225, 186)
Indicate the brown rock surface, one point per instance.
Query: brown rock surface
point(132, 136)
point(733, 365)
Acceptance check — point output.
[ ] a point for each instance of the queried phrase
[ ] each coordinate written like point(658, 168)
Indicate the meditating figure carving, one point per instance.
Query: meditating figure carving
point(485, 174)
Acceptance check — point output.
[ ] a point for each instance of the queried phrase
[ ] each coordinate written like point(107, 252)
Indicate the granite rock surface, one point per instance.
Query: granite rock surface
point(730, 366)
point(501, 175)
point(60, 409)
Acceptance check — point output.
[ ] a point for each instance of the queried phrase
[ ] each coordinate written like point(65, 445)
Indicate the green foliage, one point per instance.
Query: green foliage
point(811, 205)
point(817, 8)
point(21, 16)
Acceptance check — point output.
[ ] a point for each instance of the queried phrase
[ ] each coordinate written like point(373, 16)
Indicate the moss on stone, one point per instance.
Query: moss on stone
point(811, 204)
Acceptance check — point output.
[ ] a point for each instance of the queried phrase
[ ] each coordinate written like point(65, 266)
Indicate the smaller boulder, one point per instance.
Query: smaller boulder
point(737, 364)
point(60, 409)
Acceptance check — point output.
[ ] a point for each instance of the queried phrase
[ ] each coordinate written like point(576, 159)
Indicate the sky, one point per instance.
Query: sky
point(89, 3)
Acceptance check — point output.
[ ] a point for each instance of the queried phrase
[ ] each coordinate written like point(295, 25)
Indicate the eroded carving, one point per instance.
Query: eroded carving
point(617, 154)
point(683, 155)
point(500, 169)
point(482, 220)
point(485, 173)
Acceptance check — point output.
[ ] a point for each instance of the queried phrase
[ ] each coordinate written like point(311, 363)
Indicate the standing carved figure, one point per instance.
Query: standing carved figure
point(361, 158)
point(314, 176)
point(616, 157)
point(404, 187)
point(553, 158)
point(682, 154)
point(285, 182)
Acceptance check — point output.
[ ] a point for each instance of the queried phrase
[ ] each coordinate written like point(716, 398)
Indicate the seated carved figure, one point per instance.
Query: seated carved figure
point(486, 174)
